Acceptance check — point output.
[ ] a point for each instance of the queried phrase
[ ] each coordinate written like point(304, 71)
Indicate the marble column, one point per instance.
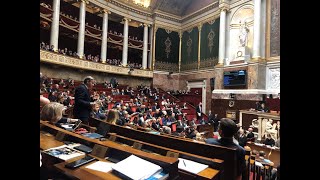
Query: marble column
point(155, 28)
point(222, 36)
point(54, 36)
point(151, 46)
point(145, 46)
point(82, 19)
point(180, 46)
point(125, 42)
point(104, 36)
point(256, 30)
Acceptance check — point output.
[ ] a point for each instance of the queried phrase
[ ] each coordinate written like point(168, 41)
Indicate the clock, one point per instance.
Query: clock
point(239, 54)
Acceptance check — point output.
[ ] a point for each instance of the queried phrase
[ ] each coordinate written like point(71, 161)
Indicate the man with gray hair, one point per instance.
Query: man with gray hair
point(82, 105)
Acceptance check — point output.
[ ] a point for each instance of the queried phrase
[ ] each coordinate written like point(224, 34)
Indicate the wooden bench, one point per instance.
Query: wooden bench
point(228, 155)
point(113, 150)
point(212, 172)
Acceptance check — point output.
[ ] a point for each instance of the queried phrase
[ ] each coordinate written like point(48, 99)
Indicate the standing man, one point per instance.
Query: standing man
point(82, 105)
point(199, 111)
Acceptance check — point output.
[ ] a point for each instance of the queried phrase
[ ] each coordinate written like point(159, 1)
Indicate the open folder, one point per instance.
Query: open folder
point(136, 168)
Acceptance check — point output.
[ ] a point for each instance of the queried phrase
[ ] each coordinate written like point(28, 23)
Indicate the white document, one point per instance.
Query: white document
point(101, 166)
point(191, 166)
point(136, 168)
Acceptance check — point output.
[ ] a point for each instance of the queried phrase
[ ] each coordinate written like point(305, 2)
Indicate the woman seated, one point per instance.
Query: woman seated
point(52, 112)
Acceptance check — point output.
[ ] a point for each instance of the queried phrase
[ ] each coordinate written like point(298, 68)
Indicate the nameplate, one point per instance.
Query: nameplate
point(172, 154)
point(60, 136)
point(137, 145)
point(99, 151)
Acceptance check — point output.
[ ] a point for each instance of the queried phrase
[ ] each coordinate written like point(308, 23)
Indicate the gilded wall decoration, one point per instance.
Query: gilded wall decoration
point(275, 29)
point(168, 46)
point(54, 58)
point(189, 45)
point(211, 36)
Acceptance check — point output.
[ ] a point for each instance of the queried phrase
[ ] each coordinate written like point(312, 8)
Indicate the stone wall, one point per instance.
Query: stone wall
point(57, 71)
point(165, 81)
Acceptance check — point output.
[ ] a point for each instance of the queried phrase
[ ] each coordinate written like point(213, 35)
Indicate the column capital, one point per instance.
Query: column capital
point(126, 19)
point(180, 34)
point(144, 24)
point(85, 1)
point(200, 26)
point(224, 8)
point(224, 5)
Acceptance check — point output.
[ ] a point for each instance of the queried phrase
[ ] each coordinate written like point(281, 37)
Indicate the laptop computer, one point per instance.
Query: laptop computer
point(70, 127)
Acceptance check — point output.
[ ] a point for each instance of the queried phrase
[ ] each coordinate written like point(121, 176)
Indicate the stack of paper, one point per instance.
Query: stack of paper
point(191, 166)
point(136, 168)
point(101, 166)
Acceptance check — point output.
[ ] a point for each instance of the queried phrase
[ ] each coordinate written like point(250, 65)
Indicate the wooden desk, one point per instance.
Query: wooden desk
point(169, 164)
point(212, 172)
point(85, 173)
point(48, 141)
point(228, 155)
point(274, 156)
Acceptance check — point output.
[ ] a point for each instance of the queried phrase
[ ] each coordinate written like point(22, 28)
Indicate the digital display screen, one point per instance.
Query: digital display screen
point(235, 78)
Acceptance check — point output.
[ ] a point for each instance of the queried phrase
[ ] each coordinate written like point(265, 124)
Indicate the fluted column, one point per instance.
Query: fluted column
point(82, 19)
point(125, 42)
point(222, 36)
point(256, 30)
point(199, 44)
point(151, 47)
point(180, 45)
point(54, 36)
point(154, 46)
point(104, 36)
point(145, 47)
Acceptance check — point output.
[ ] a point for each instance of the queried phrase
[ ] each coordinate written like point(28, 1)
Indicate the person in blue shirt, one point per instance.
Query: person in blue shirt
point(227, 129)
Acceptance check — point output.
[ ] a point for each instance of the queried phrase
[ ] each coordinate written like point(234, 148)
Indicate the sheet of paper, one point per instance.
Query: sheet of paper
point(191, 166)
point(101, 166)
point(136, 168)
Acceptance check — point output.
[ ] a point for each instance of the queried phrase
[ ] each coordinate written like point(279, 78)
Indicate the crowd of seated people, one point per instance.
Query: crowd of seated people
point(142, 107)
point(180, 92)
point(96, 58)
point(121, 35)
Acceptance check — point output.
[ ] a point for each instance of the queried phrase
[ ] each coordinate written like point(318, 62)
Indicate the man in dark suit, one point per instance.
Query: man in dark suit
point(242, 138)
point(82, 105)
point(199, 111)
point(227, 128)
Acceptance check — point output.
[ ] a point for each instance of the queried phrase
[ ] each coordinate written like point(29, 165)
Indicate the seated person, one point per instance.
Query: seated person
point(263, 108)
point(227, 128)
point(52, 112)
point(242, 138)
point(96, 113)
point(250, 135)
point(269, 141)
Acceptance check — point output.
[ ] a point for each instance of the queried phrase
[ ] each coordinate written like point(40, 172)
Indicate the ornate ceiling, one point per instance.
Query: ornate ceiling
point(178, 7)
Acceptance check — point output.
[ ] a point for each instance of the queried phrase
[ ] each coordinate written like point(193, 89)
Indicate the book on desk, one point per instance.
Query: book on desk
point(64, 152)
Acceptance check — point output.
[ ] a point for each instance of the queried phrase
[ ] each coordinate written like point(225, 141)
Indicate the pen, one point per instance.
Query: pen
point(184, 163)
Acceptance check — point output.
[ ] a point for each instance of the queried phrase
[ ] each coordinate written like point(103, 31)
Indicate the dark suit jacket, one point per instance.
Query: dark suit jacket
point(199, 111)
point(242, 140)
point(82, 107)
